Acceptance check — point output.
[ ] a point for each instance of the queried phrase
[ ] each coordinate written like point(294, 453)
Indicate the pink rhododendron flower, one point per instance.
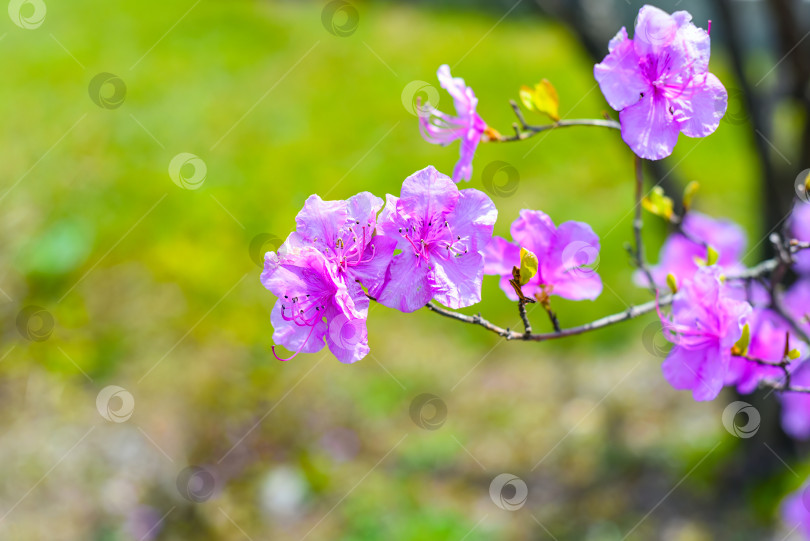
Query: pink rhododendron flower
point(565, 254)
point(797, 301)
point(442, 232)
point(317, 276)
point(768, 331)
point(800, 229)
point(442, 129)
point(659, 81)
point(680, 252)
point(705, 323)
point(344, 232)
point(795, 511)
point(314, 305)
point(796, 406)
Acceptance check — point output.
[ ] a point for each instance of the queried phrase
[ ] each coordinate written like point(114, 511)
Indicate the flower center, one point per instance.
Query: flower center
point(349, 248)
point(435, 233)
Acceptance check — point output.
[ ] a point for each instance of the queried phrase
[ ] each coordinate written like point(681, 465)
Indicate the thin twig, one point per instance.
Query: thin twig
point(630, 313)
point(638, 224)
point(525, 130)
point(527, 326)
point(761, 269)
point(552, 316)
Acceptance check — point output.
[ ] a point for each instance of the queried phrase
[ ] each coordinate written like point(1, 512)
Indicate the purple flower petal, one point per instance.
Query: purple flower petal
point(569, 265)
point(463, 96)
point(474, 217)
point(618, 75)
point(648, 129)
point(534, 231)
point(320, 222)
point(655, 30)
point(457, 279)
point(700, 370)
point(377, 257)
point(796, 406)
point(347, 338)
point(463, 168)
point(407, 287)
point(800, 228)
point(428, 194)
point(295, 337)
point(706, 104)
point(500, 256)
point(363, 207)
point(692, 46)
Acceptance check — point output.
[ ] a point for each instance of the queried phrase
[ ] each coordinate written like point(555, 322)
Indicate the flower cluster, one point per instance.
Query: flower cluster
point(339, 247)
point(435, 242)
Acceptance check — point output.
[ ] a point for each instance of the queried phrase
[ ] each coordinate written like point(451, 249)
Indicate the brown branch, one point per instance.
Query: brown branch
point(638, 224)
point(527, 326)
point(630, 313)
point(524, 130)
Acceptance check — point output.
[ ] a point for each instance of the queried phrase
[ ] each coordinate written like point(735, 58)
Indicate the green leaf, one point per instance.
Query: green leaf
point(657, 203)
point(528, 266)
point(741, 347)
point(672, 283)
point(711, 256)
point(542, 98)
point(689, 194)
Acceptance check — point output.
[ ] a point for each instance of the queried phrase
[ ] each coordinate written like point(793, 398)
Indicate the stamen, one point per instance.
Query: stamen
point(273, 347)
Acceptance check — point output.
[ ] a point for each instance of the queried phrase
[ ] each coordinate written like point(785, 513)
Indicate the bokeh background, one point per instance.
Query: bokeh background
point(152, 286)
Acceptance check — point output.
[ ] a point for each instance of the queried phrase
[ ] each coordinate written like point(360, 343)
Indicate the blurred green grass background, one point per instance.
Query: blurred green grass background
point(153, 288)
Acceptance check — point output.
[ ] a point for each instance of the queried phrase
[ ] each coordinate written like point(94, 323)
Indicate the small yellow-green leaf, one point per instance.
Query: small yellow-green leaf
point(657, 203)
point(542, 98)
point(527, 97)
point(689, 194)
point(794, 354)
point(711, 256)
point(741, 346)
point(672, 282)
point(528, 266)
